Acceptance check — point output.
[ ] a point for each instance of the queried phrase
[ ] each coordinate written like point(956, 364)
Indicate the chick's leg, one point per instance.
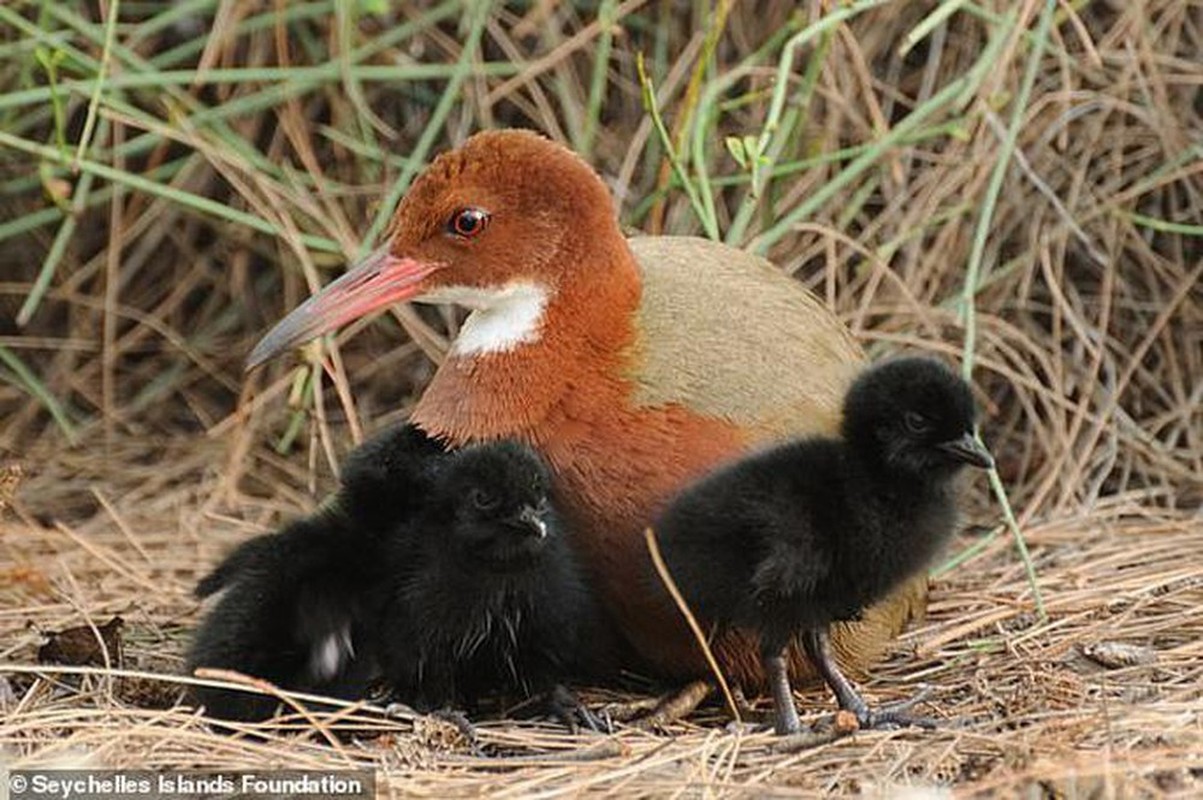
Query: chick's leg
point(818, 651)
point(774, 658)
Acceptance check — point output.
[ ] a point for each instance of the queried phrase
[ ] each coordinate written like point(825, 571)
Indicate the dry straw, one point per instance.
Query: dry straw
point(168, 195)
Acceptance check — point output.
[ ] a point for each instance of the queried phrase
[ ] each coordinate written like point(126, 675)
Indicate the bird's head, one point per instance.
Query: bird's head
point(498, 496)
point(385, 479)
point(496, 226)
point(913, 416)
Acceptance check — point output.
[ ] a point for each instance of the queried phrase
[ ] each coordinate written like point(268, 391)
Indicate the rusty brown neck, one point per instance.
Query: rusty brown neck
point(587, 328)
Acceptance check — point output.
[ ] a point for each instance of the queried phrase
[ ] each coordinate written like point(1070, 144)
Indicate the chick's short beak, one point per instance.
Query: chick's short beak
point(532, 519)
point(969, 450)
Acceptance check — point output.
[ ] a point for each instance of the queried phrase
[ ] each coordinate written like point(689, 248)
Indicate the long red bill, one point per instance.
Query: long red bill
point(379, 280)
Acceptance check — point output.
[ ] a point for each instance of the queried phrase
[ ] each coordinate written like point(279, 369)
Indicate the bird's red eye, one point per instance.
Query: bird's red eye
point(468, 222)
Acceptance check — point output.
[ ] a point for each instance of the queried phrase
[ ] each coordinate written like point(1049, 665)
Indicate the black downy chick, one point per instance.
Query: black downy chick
point(485, 594)
point(810, 532)
point(295, 609)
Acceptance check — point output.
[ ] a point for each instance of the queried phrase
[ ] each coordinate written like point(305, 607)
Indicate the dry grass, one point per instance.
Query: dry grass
point(1024, 707)
point(146, 454)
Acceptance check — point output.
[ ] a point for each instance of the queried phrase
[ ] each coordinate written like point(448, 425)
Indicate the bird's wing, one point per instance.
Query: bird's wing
point(788, 570)
point(325, 614)
point(727, 334)
point(252, 555)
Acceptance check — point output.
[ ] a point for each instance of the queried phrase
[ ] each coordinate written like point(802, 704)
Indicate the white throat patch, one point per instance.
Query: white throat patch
point(502, 318)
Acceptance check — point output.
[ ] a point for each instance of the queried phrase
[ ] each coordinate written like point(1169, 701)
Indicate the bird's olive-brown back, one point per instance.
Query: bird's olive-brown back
point(730, 336)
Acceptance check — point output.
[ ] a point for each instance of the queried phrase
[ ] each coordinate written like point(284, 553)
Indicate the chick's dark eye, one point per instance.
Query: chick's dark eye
point(468, 222)
point(916, 422)
point(483, 500)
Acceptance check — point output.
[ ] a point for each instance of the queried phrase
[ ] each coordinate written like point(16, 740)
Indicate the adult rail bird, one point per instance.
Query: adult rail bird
point(634, 367)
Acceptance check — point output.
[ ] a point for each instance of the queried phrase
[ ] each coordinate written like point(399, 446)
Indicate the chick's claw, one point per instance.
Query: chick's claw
point(569, 709)
point(896, 715)
point(887, 720)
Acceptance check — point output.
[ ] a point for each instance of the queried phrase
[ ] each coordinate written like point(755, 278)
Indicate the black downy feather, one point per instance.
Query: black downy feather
point(447, 572)
point(485, 594)
point(810, 532)
point(294, 609)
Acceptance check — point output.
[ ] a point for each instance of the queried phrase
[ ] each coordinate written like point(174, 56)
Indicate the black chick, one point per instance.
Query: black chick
point(295, 610)
point(810, 532)
point(485, 595)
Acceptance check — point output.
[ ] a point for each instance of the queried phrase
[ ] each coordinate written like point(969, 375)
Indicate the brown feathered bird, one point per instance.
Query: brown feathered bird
point(633, 367)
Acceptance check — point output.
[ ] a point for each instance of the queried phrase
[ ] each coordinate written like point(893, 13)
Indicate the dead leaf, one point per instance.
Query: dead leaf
point(1116, 655)
point(79, 646)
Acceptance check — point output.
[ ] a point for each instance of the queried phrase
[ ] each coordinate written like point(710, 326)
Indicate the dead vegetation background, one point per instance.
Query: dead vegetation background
point(234, 155)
